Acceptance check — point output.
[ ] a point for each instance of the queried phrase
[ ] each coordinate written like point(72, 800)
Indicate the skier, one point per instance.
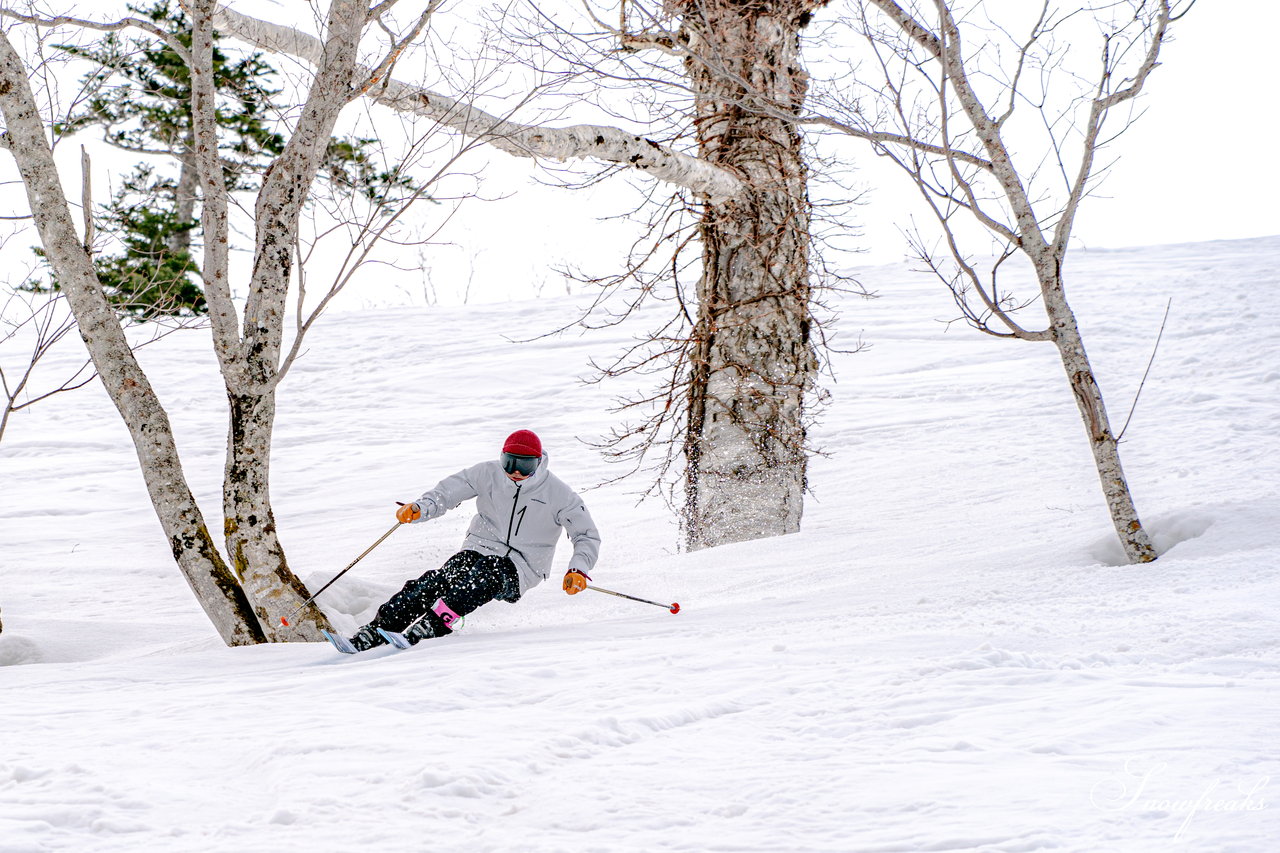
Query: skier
point(520, 509)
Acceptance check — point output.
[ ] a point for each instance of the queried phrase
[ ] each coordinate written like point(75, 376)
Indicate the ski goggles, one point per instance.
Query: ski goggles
point(523, 465)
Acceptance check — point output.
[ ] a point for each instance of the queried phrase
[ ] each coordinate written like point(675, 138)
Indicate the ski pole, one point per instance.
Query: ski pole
point(674, 608)
point(284, 620)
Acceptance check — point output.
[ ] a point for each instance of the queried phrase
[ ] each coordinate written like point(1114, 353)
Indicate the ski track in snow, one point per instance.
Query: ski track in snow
point(949, 656)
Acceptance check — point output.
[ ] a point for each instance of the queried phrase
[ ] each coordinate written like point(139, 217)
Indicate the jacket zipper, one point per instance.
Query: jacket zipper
point(512, 520)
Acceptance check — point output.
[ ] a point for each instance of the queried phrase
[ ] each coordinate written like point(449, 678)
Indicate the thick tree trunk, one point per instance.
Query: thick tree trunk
point(1088, 396)
point(212, 582)
point(752, 360)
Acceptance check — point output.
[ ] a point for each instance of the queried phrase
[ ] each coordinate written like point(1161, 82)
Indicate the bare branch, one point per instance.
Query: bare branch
point(48, 325)
point(1103, 102)
point(582, 141)
point(398, 45)
point(1142, 384)
point(102, 26)
point(886, 138)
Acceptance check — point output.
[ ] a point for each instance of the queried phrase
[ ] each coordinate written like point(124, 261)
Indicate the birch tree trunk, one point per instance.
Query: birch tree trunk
point(250, 357)
point(752, 361)
point(204, 569)
point(1093, 411)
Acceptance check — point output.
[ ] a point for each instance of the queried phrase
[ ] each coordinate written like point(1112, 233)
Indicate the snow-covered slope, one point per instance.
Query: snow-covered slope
point(947, 657)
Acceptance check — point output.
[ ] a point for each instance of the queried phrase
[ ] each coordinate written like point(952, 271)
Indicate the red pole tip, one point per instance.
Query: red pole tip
point(284, 621)
point(675, 608)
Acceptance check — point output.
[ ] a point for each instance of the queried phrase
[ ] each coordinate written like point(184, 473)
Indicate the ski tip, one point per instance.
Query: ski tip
point(342, 644)
point(675, 608)
point(284, 621)
point(400, 641)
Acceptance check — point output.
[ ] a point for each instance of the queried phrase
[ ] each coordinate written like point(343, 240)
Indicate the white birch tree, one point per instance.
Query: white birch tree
point(246, 594)
point(962, 90)
point(26, 131)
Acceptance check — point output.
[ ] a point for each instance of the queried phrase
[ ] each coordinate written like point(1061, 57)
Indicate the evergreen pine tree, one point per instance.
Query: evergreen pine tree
point(142, 101)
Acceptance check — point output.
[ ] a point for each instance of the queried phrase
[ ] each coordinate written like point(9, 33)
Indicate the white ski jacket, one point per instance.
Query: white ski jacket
point(518, 520)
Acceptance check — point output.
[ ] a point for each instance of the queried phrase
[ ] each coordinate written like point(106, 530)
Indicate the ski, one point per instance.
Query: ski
point(339, 642)
point(400, 641)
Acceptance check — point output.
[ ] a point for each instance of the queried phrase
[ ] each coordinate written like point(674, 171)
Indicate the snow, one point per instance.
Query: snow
point(949, 656)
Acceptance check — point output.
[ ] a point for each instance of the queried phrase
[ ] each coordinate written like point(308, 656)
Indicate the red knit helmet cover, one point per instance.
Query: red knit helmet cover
point(523, 442)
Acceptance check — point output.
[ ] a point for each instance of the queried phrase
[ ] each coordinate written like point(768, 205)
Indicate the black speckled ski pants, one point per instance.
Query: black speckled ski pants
point(466, 581)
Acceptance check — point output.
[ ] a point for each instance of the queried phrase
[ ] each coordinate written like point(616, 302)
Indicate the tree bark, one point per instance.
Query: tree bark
point(249, 525)
point(204, 569)
point(1088, 396)
point(752, 361)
